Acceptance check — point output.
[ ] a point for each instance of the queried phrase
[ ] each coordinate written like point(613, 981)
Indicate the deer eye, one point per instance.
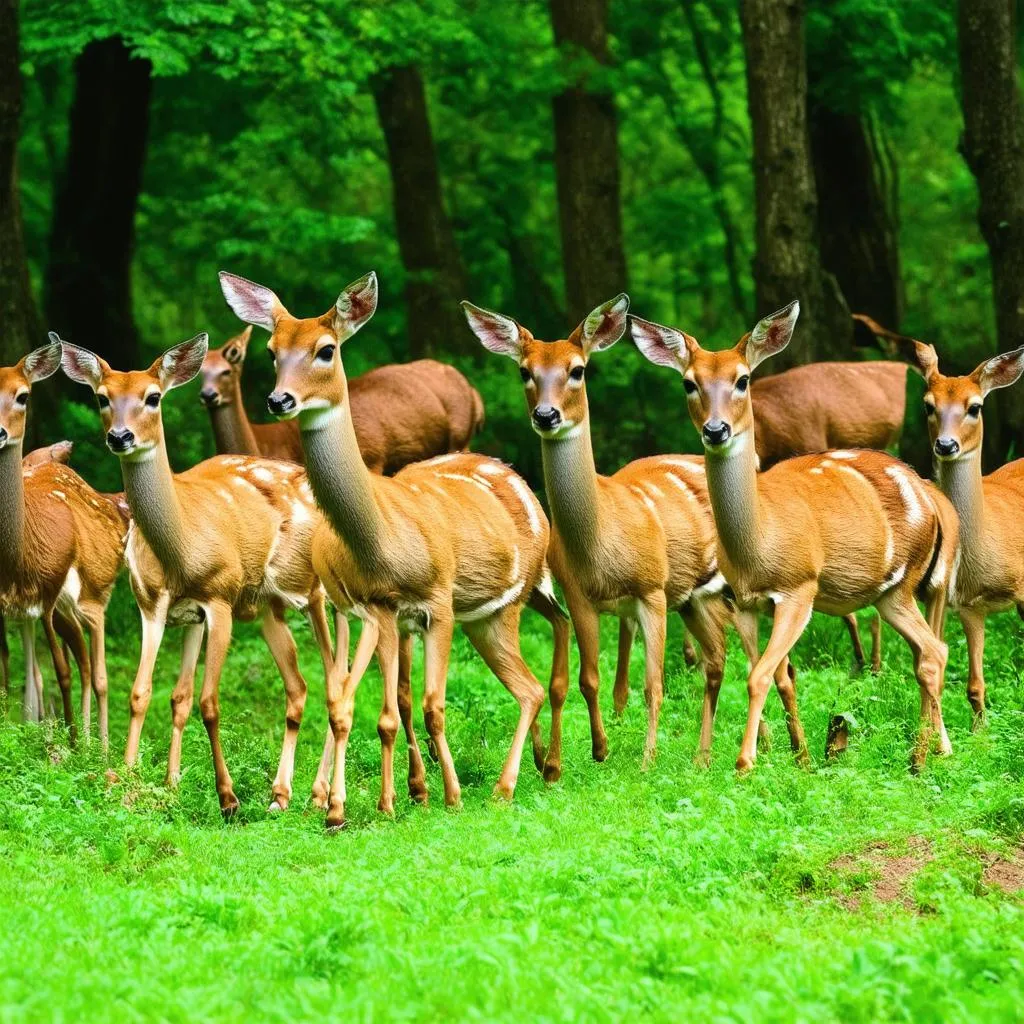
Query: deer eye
point(525, 374)
point(153, 400)
point(576, 373)
point(225, 373)
point(742, 383)
point(325, 354)
point(273, 356)
point(103, 402)
point(929, 408)
point(974, 411)
point(689, 386)
point(22, 399)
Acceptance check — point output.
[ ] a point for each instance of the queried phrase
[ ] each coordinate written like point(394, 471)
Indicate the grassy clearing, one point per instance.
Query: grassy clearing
point(677, 894)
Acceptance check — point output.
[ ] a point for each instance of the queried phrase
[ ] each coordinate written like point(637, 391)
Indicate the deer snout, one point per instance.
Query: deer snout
point(280, 403)
point(546, 417)
point(946, 447)
point(716, 432)
point(120, 441)
point(209, 397)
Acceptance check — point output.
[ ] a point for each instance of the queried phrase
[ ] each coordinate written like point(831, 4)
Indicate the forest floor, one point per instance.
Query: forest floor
point(851, 891)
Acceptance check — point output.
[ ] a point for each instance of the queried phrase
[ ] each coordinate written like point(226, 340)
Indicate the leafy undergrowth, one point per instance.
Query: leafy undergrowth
point(850, 891)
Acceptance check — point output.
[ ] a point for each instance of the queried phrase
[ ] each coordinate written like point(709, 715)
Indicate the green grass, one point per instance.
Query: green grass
point(676, 894)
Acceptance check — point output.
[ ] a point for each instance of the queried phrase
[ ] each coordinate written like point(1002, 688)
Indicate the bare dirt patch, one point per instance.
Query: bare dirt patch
point(1006, 873)
point(891, 873)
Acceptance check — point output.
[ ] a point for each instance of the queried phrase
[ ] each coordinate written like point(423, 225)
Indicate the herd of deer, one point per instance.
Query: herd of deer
point(363, 495)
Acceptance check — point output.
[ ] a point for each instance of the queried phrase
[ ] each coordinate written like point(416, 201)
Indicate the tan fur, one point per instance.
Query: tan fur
point(228, 539)
point(459, 538)
point(61, 547)
point(834, 532)
point(401, 413)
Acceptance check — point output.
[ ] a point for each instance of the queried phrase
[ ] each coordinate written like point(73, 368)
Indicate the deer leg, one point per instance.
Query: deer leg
point(854, 630)
point(558, 686)
point(437, 646)
point(328, 654)
point(5, 658)
point(651, 612)
point(497, 640)
point(900, 610)
point(95, 615)
point(708, 629)
point(153, 624)
point(620, 692)
point(785, 683)
point(876, 644)
point(341, 695)
point(586, 625)
point(341, 636)
point(69, 629)
point(792, 614)
point(181, 697)
point(974, 630)
point(63, 670)
point(689, 651)
point(218, 639)
point(388, 643)
point(417, 773)
point(32, 701)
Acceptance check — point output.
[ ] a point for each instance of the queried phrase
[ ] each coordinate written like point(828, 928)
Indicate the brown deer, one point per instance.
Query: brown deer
point(991, 508)
point(637, 544)
point(229, 538)
point(402, 413)
point(61, 547)
point(459, 538)
point(837, 531)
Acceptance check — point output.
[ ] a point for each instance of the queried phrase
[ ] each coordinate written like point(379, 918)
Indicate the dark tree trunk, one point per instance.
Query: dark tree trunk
point(856, 215)
point(20, 329)
point(993, 146)
point(787, 262)
point(88, 288)
point(587, 164)
point(435, 281)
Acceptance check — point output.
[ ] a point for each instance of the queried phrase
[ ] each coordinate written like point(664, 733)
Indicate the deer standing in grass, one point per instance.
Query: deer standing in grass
point(637, 544)
point(456, 539)
point(991, 508)
point(401, 414)
point(835, 532)
point(61, 547)
point(229, 538)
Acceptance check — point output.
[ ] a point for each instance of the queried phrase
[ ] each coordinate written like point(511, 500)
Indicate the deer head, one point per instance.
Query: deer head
point(15, 388)
point(222, 371)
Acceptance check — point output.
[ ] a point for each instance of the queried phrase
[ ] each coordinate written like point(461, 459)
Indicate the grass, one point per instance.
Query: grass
point(676, 894)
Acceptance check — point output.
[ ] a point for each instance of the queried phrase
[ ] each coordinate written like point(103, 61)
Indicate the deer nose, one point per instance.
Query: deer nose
point(946, 446)
point(208, 396)
point(280, 402)
point(716, 432)
point(3, 437)
point(120, 440)
point(546, 417)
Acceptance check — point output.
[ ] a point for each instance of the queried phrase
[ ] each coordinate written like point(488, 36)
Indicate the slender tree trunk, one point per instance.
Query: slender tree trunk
point(435, 280)
point(993, 146)
point(787, 262)
point(858, 227)
point(20, 329)
point(587, 162)
point(88, 289)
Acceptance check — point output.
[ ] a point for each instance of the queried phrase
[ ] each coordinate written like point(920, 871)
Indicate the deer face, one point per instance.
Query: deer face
point(221, 374)
point(306, 352)
point(552, 371)
point(129, 403)
point(15, 388)
point(954, 404)
point(717, 384)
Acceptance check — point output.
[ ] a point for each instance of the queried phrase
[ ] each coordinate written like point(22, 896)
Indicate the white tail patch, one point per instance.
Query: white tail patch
point(546, 585)
point(894, 578)
point(909, 493)
point(529, 500)
point(715, 585)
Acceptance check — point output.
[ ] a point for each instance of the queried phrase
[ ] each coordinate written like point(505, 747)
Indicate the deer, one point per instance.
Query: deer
point(402, 413)
point(61, 548)
point(637, 544)
point(459, 538)
point(836, 531)
point(991, 573)
point(227, 539)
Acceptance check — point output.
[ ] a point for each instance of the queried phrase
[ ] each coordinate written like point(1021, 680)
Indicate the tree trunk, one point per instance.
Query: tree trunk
point(88, 288)
point(993, 146)
point(435, 280)
point(858, 226)
point(787, 261)
point(21, 330)
point(587, 164)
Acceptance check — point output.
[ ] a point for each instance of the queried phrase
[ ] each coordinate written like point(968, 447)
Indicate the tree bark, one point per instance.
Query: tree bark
point(435, 280)
point(858, 225)
point(88, 288)
point(993, 147)
point(587, 163)
point(787, 260)
point(21, 330)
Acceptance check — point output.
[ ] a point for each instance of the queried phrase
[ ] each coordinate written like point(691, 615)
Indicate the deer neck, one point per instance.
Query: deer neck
point(12, 510)
point(570, 480)
point(232, 431)
point(342, 485)
point(732, 486)
point(961, 482)
point(152, 496)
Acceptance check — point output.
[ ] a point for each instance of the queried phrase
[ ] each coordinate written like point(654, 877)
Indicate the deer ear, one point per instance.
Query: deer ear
point(663, 346)
point(1000, 371)
point(180, 364)
point(236, 348)
point(251, 302)
point(42, 362)
point(771, 335)
point(497, 333)
point(604, 325)
point(921, 357)
point(83, 366)
point(355, 306)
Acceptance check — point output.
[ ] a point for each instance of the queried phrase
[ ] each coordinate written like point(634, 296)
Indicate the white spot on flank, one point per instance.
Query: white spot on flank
point(694, 468)
point(475, 480)
point(818, 470)
point(492, 468)
point(843, 455)
point(264, 475)
point(654, 490)
point(638, 491)
point(681, 486)
point(529, 501)
point(915, 513)
point(437, 460)
point(894, 577)
point(59, 495)
point(489, 608)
